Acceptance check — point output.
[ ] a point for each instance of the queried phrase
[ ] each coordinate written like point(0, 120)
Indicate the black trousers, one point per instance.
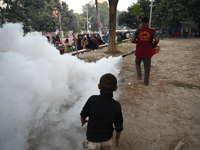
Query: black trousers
point(147, 65)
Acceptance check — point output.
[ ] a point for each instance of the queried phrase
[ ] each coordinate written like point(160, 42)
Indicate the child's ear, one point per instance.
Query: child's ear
point(116, 88)
point(99, 86)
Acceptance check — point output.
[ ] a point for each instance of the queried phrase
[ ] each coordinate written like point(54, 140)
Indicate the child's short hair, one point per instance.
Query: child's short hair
point(108, 82)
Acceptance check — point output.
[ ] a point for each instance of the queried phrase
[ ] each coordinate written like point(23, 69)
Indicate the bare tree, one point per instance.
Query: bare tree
point(96, 3)
point(112, 26)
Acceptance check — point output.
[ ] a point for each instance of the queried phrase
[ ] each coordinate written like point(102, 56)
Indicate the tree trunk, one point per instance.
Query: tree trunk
point(112, 26)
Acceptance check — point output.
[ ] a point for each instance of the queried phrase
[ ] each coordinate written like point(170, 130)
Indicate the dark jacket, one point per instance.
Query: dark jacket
point(104, 114)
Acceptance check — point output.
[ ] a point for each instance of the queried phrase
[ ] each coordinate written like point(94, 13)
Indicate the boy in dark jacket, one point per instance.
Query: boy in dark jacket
point(105, 116)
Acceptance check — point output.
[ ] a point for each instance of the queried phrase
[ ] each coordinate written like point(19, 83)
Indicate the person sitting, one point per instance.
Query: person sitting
point(84, 42)
point(67, 46)
point(99, 40)
point(59, 44)
point(91, 43)
point(105, 37)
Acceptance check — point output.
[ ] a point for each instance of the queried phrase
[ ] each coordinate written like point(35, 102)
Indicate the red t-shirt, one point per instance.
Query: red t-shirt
point(144, 38)
point(59, 42)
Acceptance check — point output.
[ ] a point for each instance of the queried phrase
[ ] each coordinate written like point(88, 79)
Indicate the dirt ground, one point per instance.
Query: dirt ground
point(159, 116)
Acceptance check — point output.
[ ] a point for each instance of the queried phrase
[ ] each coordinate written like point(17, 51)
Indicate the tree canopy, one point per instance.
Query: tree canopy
point(49, 15)
point(34, 14)
point(164, 12)
point(92, 14)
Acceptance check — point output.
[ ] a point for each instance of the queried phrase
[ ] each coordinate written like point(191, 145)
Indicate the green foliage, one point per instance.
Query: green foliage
point(137, 10)
point(34, 14)
point(89, 11)
point(38, 14)
point(165, 12)
point(130, 18)
point(69, 20)
point(194, 11)
point(104, 13)
point(41, 15)
point(169, 11)
point(145, 5)
point(92, 15)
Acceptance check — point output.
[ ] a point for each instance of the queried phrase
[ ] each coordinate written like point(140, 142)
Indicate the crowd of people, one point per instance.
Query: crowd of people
point(121, 35)
point(89, 41)
point(81, 41)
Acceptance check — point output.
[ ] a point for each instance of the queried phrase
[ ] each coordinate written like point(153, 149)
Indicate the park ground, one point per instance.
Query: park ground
point(159, 116)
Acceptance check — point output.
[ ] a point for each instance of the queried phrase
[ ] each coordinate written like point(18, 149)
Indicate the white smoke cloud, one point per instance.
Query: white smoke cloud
point(43, 92)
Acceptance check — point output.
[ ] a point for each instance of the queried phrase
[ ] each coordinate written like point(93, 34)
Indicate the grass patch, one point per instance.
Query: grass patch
point(185, 85)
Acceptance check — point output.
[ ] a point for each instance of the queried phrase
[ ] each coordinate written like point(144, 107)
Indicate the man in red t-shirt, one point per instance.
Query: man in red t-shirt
point(144, 37)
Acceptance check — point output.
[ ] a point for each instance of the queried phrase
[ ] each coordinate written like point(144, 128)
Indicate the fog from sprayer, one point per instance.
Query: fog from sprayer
point(43, 92)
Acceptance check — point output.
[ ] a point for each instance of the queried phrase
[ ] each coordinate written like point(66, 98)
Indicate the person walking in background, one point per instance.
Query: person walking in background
point(75, 42)
point(105, 116)
point(144, 38)
point(197, 33)
point(186, 31)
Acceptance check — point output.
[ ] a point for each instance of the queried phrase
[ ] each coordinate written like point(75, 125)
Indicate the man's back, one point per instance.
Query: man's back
point(144, 42)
